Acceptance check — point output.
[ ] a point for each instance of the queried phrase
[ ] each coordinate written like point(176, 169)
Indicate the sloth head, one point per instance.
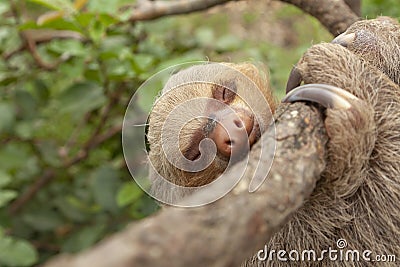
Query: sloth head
point(207, 116)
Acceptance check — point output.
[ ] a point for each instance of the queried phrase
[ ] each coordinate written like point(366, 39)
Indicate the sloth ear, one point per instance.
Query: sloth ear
point(225, 91)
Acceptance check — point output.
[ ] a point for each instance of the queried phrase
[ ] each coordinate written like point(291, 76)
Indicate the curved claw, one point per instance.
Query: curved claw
point(327, 95)
point(294, 80)
point(344, 39)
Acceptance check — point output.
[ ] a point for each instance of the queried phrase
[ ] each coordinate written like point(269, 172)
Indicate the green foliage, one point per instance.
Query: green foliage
point(6, 195)
point(61, 103)
point(373, 8)
point(16, 252)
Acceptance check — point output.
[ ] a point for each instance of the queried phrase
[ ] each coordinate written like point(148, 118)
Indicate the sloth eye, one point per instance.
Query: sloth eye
point(225, 92)
point(192, 152)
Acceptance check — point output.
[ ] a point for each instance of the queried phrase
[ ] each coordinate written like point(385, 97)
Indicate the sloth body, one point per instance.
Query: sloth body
point(358, 195)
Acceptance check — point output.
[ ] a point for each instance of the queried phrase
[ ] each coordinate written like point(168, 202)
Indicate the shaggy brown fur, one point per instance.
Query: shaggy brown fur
point(358, 196)
point(378, 42)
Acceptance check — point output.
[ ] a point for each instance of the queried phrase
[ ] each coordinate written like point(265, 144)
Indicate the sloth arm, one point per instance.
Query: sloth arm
point(347, 87)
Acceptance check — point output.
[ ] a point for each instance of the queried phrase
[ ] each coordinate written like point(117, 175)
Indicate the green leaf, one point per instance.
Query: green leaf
point(4, 7)
point(83, 239)
point(17, 252)
point(61, 24)
point(55, 4)
point(6, 196)
point(24, 129)
point(128, 194)
point(7, 117)
point(13, 156)
point(7, 78)
point(228, 43)
point(5, 178)
point(49, 152)
point(97, 31)
point(72, 47)
point(144, 207)
point(103, 6)
point(69, 210)
point(105, 184)
point(142, 62)
point(28, 26)
point(107, 20)
point(25, 103)
point(205, 36)
point(84, 19)
point(43, 219)
point(81, 98)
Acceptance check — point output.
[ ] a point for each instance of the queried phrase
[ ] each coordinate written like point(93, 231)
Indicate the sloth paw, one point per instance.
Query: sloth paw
point(344, 110)
point(350, 126)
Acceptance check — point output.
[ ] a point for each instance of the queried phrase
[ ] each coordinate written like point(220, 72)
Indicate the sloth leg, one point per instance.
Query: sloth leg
point(350, 127)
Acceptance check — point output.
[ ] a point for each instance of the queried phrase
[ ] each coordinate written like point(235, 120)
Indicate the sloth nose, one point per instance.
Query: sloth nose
point(231, 134)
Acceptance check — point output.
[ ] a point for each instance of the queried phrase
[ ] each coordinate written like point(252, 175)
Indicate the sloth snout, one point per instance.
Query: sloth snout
point(231, 133)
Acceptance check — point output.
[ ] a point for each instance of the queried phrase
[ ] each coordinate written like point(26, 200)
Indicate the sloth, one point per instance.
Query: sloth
point(356, 78)
point(358, 196)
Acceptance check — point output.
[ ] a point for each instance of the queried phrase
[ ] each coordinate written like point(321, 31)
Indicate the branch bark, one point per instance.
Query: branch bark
point(355, 6)
point(230, 230)
point(336, 16)
point(148, 10)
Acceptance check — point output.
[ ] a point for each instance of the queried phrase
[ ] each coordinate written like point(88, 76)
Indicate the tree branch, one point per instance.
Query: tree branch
point(148, 10)
point(33, 37)
point(355, 6)
point(230, 230)
point(336, 15)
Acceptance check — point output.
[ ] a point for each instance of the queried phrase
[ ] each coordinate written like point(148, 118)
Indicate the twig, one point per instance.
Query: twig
point(43, 36)
point(47, 176)
point(31, 46)
point(50, 173)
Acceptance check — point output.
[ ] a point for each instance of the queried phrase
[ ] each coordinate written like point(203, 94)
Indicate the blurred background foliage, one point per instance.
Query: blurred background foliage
point(64, 184)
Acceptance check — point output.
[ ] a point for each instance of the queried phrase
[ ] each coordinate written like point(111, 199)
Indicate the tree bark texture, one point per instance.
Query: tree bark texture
point(335, 15)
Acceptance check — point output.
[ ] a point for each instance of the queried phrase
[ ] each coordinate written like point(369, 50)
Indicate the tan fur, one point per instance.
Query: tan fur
point(378, 42)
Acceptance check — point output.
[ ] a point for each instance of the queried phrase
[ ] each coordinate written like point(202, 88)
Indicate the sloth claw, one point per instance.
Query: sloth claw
point(326, 95)
point(294, 80)
point(344, 39)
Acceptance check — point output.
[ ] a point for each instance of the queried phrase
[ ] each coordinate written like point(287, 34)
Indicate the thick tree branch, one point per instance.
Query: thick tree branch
point(148, 10)
point(336, 16)
point(235, 227)
point(355, 6)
